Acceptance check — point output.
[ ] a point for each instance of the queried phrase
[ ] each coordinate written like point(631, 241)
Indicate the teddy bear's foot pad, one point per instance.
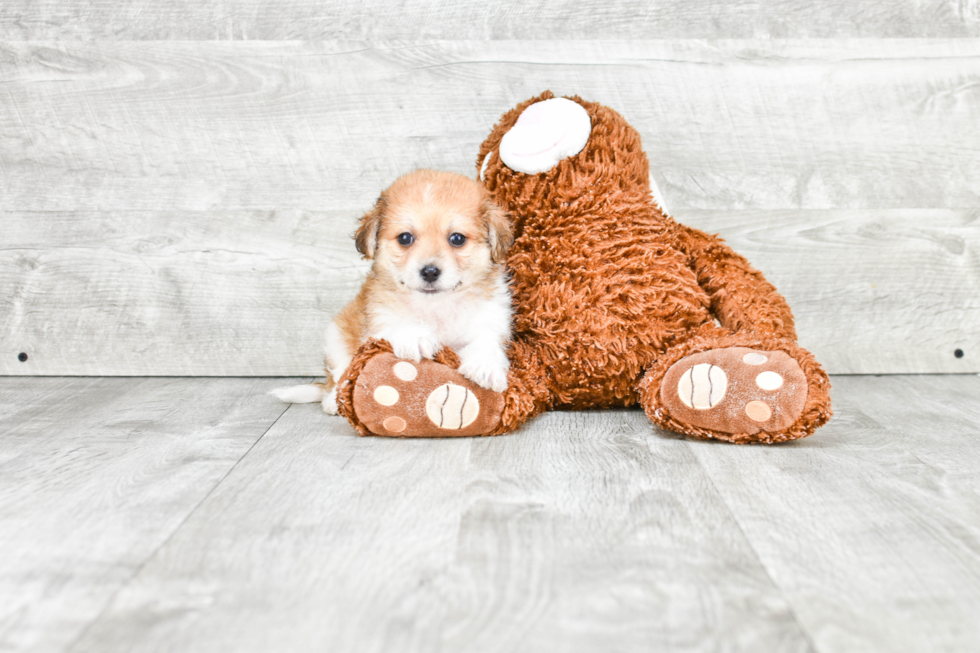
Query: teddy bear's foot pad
point(426, 399)
point(736, 390)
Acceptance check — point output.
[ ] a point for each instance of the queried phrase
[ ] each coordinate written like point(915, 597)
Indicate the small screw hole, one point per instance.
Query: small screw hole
point(22, 357)
point(958, 353)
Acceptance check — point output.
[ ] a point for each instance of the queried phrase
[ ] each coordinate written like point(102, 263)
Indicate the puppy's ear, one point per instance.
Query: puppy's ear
point(499, 232)
point(366, 236)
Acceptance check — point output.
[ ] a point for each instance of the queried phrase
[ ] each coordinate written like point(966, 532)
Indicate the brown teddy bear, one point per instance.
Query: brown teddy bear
point(615, 304)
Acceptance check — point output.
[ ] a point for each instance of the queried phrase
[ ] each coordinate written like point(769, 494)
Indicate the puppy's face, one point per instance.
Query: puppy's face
point(435, 232)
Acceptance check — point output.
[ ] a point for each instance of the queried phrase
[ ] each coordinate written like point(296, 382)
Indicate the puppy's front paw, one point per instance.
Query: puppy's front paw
point(329, 402)
point(428, 347)
point(414, 348)
point(486, 367)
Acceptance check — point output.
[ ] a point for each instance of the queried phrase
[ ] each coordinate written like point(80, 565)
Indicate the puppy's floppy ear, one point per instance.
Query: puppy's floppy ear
point(366, 236)
point(499, 232)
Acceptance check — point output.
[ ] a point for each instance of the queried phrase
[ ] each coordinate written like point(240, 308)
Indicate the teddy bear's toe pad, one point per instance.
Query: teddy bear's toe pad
point(427, 399)
point(736, 390)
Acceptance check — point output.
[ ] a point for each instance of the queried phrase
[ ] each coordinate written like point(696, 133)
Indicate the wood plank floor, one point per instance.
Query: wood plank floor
point(161, 514)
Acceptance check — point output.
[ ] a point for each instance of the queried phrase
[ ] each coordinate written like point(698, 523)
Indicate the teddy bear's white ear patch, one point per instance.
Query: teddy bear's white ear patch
point(545, 133)
point(658, 197)
point(483, 168)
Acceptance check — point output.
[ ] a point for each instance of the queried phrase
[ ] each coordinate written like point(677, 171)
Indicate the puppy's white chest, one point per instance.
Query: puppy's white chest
point(449, 317)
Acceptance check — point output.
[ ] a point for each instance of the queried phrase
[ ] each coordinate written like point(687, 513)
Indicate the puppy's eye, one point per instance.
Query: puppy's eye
point(405, 239)
point(457, 240)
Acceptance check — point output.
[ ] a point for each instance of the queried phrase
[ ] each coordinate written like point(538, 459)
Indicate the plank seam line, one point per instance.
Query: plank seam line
point(792, 610)
point(139, 568)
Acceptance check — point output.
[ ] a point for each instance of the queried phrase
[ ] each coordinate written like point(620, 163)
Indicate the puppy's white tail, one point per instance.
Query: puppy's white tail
point(300, 394)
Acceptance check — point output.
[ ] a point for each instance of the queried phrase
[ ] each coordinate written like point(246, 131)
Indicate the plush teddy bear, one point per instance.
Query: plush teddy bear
point(615, 304)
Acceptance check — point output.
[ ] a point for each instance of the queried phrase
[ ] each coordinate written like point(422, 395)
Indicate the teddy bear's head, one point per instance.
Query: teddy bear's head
point(552, 151)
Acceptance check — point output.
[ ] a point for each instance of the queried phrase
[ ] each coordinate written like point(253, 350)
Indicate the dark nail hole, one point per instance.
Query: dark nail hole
point(958, 353)
point(22, 357)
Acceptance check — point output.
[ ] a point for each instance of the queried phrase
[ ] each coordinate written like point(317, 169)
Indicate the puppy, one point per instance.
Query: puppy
point(436, 242)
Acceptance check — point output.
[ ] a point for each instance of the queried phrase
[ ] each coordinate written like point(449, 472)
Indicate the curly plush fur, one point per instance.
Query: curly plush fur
point(609, 292)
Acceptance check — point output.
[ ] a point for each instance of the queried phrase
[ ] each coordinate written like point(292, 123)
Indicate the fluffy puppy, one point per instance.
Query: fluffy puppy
point(437, 243)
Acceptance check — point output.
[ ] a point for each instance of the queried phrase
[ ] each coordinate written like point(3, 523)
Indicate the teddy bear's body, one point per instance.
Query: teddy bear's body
point(600, 302)
point(613, 299)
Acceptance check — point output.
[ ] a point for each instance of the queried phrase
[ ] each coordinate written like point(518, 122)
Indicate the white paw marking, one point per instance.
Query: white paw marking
point(386, 395)
point(414, 348)
point(485, 374)
point(758, 411)
point(405, 371)
point(485, 365)
point(754, 358)
point(452, 406)
point(702, 386)
point(394, 424)
point(329, 403)
point(769, 381)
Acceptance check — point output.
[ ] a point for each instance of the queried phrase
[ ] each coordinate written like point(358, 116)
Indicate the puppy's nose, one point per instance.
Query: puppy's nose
point(430, 273)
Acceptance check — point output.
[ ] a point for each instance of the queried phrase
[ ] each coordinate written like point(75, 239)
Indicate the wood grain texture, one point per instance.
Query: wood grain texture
point(251, 292)
point(189, 126)
point(510, 19)
point(585, 532)
point(324, 540)
point(95, 475)
point(183, 208)
point(205, 294)
point(126, 524)
point(873, 292)
point(872, 526)
point(592, 532)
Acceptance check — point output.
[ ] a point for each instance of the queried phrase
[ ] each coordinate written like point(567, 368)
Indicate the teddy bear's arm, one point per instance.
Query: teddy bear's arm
point(741, 298)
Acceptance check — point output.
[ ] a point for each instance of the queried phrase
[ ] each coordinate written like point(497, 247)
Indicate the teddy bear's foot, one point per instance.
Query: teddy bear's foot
point(735, 390)
point(426, 399)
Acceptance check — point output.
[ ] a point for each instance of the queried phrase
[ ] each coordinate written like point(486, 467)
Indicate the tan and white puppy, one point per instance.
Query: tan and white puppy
point(437, 243)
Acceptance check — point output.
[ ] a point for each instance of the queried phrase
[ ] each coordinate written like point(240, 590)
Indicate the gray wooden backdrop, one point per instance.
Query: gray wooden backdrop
point(179, 180)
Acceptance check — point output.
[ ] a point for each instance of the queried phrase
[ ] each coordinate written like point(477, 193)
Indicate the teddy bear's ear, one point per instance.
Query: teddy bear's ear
point(500, 235)
point(544, 134)
point(366, 236)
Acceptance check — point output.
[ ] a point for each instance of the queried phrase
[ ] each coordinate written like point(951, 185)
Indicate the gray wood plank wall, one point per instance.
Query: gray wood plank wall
point(180, 206)
point(472, 19)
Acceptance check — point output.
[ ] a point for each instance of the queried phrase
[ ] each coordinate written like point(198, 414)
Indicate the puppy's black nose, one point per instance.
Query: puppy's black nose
point(430, 273)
